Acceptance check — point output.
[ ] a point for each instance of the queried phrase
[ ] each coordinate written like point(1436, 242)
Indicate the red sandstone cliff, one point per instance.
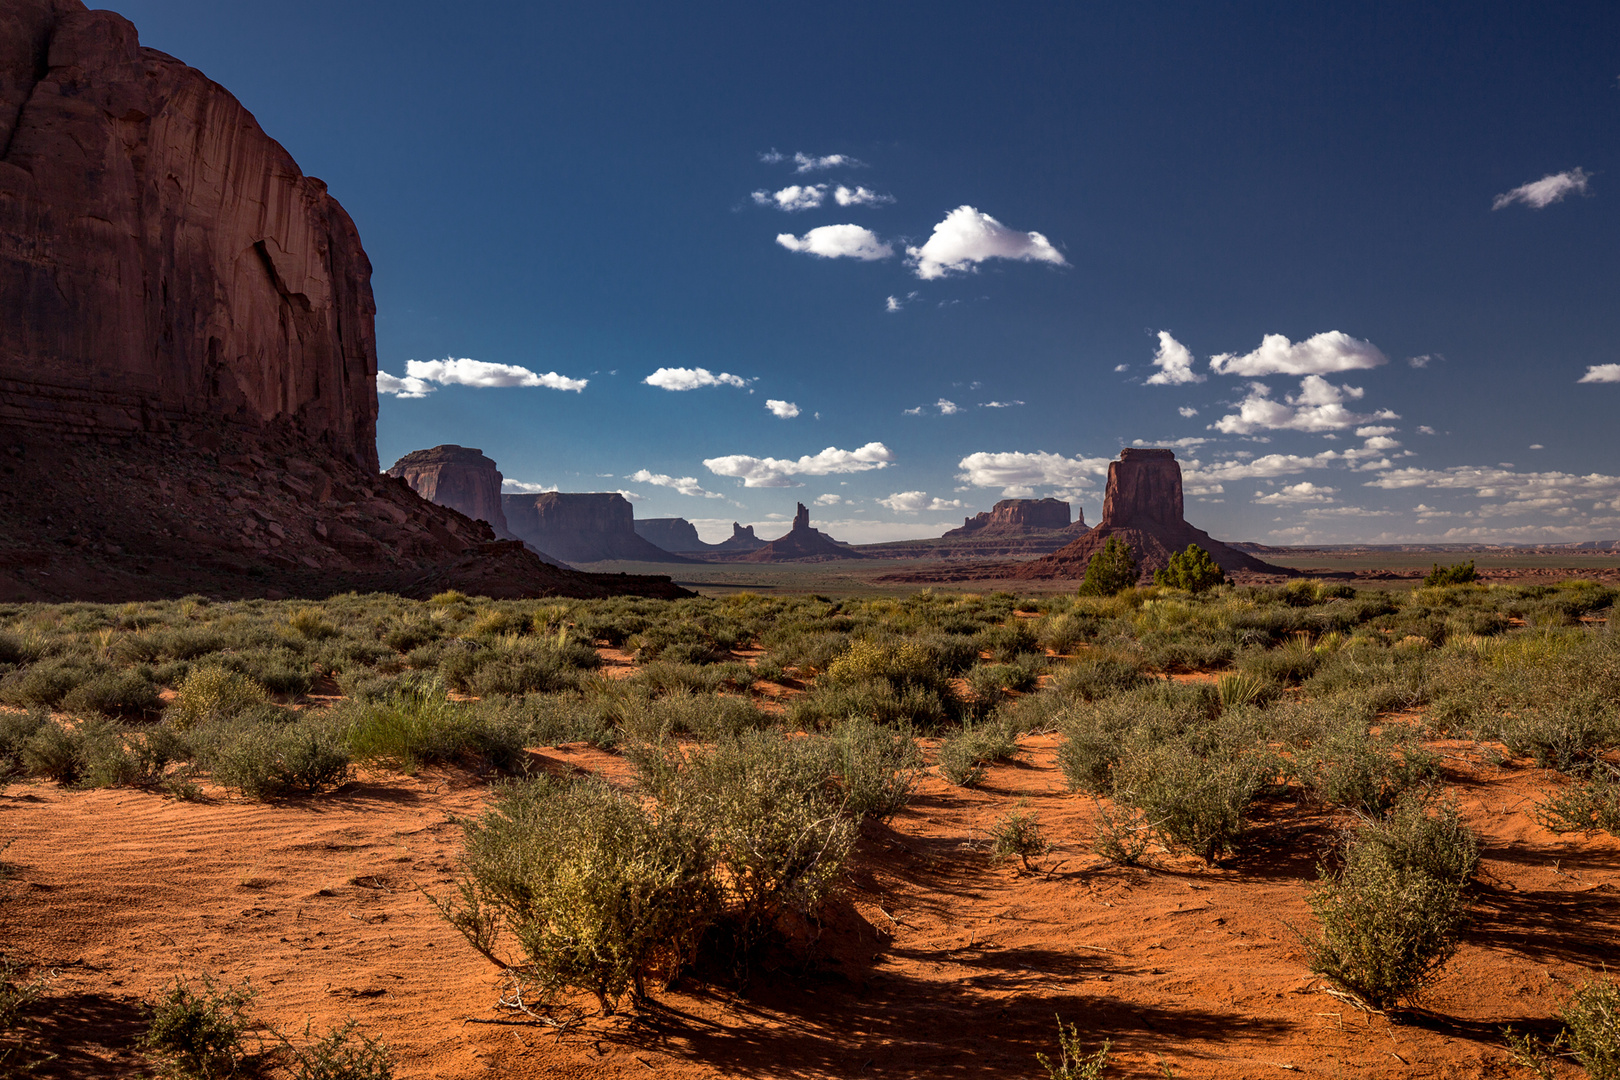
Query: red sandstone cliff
point(582, 527)
point(1143, 508)
point(161, 257)
point(1018, 517)
point(458, 477)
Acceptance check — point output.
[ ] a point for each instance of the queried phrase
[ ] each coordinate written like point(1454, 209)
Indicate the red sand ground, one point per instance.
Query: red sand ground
point(939, 963)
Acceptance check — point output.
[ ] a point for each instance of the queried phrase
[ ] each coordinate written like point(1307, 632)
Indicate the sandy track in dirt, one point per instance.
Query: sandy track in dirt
point(939, 963)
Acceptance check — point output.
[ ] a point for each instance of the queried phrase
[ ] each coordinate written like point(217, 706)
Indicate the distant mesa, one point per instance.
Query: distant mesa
point(1020, 517)
point(582, 527)
point(458, 477)
point(680, 536)
point(803, 544)
point(1143, 508)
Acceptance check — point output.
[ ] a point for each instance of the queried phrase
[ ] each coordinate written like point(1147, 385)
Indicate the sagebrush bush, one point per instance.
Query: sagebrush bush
point(343, 1053)
point(1017, 834)
point(964, 755)
point(200, 1032)
point(210, 694)
point(1585, 805)
point(1097, 674)
point(419, 725)
point(1592, 1019)
point(1195, 797)
point(265, 758)
point(876, 767)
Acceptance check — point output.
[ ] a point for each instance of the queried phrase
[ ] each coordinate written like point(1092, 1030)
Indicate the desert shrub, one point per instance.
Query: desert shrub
point(409, 635)
point(211, 694)
point(1124, 833)
point(873, 699)
point(16, 729)
point(536, 673)
point(122, 693)
point(1073, 1062)
point(1348, 766)
point(1008, 643)
point(1391, 916)
point(1567, 735)
point(1586, 805)
point(1592, 1020)
point(1455, 574)
point(807, 651)
point(343, 1053)
point(1062, 632)
point(264, 759)
point(1289, 664)
point(665, 676)
point(200, 1033)
point(596, 890)
point(1018, 835)
point(419, 725)
point(46, 682)
point(20, 1053)
point(772, 816)
point(54, 752)
point(875, 766)
point(1239, 690)
point(552, 719)
point(1110, 571)
point(1097, 674)
point(709, 717)
point(964, 755)
point(1192, 570)
point(308, 622)
point(1195, 797)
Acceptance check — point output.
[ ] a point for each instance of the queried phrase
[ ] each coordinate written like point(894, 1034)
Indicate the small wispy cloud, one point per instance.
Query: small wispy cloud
point(1296, 495)
point(838, 242)
point(859, 196)
point(812, 163)
point(786, 410)
point(912, 502)
point(1601, 373)
point(1187, 412)
point(1000, 404)
point(1539, 194)
point(686, 485)
point(895, 303)
point(518, 487)
point(829, 500)
point(793, 197)
point(945, 406)
point(682, 378)
point(768, 472)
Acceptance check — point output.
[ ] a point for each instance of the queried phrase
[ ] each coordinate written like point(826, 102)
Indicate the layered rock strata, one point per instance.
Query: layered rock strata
point(1143, 508)
point(582, 527)
point(1018, 517)
point(458, 477)
point(681, 537)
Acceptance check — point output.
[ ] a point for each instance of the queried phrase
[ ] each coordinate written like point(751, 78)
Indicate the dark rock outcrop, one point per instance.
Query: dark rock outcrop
point(1143, 508)
point(802, 544)
point(188, 394)
point(162, 258)
point(458, 477)
point(681, 537)
point(1018, 517)
point(582, 527)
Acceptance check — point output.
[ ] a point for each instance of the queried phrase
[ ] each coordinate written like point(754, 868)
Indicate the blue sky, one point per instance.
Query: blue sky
point(1373, 247)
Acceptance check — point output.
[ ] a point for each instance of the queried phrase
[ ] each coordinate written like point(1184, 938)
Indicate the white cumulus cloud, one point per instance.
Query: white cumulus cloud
point(686, 485)
point(1175, 363)
point(685, 378)
point(838, 242)
point(1538, 194)
point(1319, 354)
point(912, 502)
point(948, 408)
point(1187, 412)
point(419, 374)
point(518, 487)
point(968, 237)
point(829, 500)
point(1017, 473)
point(784, 409)
point(859, 196)
point(1597, 373)
point(1319, 406)
point(1296, 494)
point(769, 472)
point(793, 197)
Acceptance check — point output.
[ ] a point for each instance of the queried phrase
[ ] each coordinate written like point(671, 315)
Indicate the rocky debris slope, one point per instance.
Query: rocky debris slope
point(681, 537)
point(458, 477)
point(161, 257)
point(1020, 517)
point(801, 544)
point(582, 527)
point(230, 517)
point(1143, 508)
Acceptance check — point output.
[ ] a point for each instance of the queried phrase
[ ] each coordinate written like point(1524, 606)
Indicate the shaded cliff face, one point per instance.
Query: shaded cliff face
point(161, 257)
point(581, 527)
point(1012, 517)
point(802, 543)
point(1143, 508)
point(458, 477)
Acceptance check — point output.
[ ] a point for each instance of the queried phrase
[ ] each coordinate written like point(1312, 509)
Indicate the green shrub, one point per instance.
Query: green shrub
point(1018, 835)
point(211, 694)
point(343, 1053)
point(1193, 570)
point(1111, 571)
point(1195, 798)
point(1073, 1062)
point(122, 693)
point(1350, 767)
point(1239, 690)
point(1007, 643)
point(44, 683)
point(53, 752)
point(964, 756)
point(264, 759)
point(419, 725)
point(875, 765)
point(1585, 805)
point(1456, 574)
point(1592, 1018)
point(16, 729)
point(200, 1034)
point(20, 1053)
point(1098, 674)
point(596, 891)
point(1568, 735)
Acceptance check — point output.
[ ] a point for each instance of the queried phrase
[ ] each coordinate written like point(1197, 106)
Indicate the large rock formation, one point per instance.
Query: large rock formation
point(681, 537)
point(1143, 508)
point(162, 258)
point(188, 368)
point(1019, 517)
point(458, 477)
point(802, 544)
point(582, 527)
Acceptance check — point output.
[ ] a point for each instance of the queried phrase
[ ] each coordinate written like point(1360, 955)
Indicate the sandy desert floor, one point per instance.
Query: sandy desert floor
point(939, 962)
